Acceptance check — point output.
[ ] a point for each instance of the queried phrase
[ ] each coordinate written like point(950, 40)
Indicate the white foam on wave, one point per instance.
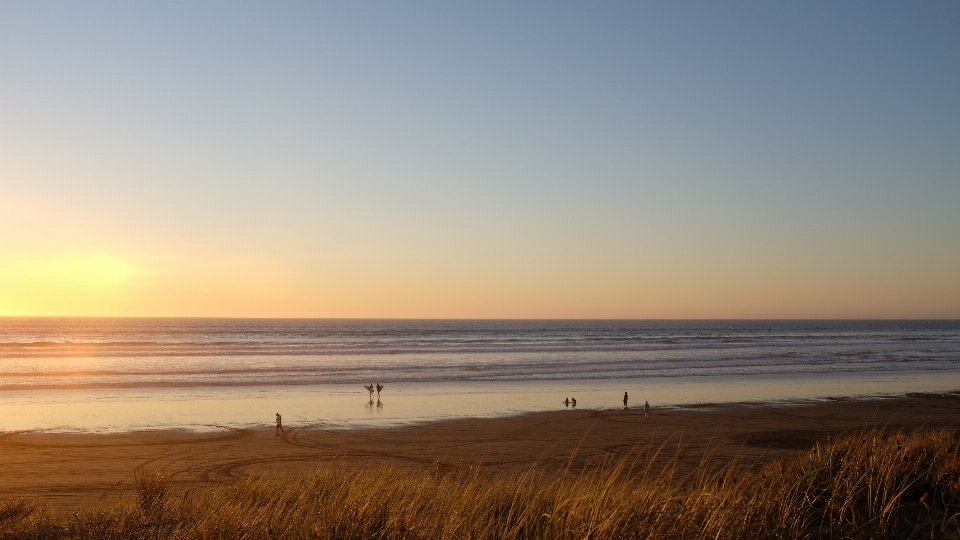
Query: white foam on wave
point(155, 353)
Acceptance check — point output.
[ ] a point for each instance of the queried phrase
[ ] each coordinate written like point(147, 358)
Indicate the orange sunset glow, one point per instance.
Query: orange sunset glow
point(256, 169)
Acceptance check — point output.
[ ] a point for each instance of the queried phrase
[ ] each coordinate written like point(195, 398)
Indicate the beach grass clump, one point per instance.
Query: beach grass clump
point(863, 485)
point(152, 487)
point(16, 513)
point(866, 485)
point(894, 485)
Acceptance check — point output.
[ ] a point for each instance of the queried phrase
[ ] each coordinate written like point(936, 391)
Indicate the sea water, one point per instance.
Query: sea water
point(80, 374)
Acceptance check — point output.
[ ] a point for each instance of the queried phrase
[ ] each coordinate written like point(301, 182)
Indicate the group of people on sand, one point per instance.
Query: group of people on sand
point(567, 402)
point(646, 405)
point(370, 388)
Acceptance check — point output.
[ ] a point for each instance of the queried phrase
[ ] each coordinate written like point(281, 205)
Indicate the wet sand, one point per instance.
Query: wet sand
point(71, 470)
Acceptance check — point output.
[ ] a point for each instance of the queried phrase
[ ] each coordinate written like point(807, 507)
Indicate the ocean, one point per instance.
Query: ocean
point(79, 374)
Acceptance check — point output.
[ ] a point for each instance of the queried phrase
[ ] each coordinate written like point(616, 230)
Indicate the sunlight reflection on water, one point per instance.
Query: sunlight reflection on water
point(348, 406)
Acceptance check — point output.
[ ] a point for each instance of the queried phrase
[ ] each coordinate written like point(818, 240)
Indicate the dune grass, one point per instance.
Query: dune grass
point(864, 485)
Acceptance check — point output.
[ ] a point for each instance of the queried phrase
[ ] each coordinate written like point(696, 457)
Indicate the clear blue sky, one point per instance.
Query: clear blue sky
point(504, 159)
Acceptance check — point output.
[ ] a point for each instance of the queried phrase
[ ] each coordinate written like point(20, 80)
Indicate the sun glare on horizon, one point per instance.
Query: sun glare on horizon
point(74, 284)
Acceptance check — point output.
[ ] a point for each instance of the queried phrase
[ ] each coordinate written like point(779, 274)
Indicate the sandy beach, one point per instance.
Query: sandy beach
point(71, 470)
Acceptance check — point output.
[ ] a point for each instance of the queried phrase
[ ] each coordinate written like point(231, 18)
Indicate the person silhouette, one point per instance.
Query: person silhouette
point(279, 429)
point(624, 400)
point(566, 402)
point(646, 409)
point(574, 400)
point(379, 388)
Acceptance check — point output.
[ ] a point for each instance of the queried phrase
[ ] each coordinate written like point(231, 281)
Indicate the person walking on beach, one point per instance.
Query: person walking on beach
point(566, 402)
point(646, 409)
point(624, 400)
point(574, 400)
point(280, 426)
point(379, 388)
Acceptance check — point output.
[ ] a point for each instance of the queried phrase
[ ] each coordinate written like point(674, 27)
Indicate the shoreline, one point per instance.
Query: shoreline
point(70, 470)
point(348, 406)
point(699, 407)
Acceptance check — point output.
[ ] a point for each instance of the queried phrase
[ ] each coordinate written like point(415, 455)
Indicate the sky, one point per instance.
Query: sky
point(480, 159)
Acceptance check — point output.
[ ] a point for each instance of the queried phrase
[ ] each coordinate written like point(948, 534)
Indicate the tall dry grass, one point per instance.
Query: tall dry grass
point(867, 485)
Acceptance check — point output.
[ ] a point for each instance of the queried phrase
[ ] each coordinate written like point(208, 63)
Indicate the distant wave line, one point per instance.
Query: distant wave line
point(353, 380)
point(517, 371)
point(113, 351)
